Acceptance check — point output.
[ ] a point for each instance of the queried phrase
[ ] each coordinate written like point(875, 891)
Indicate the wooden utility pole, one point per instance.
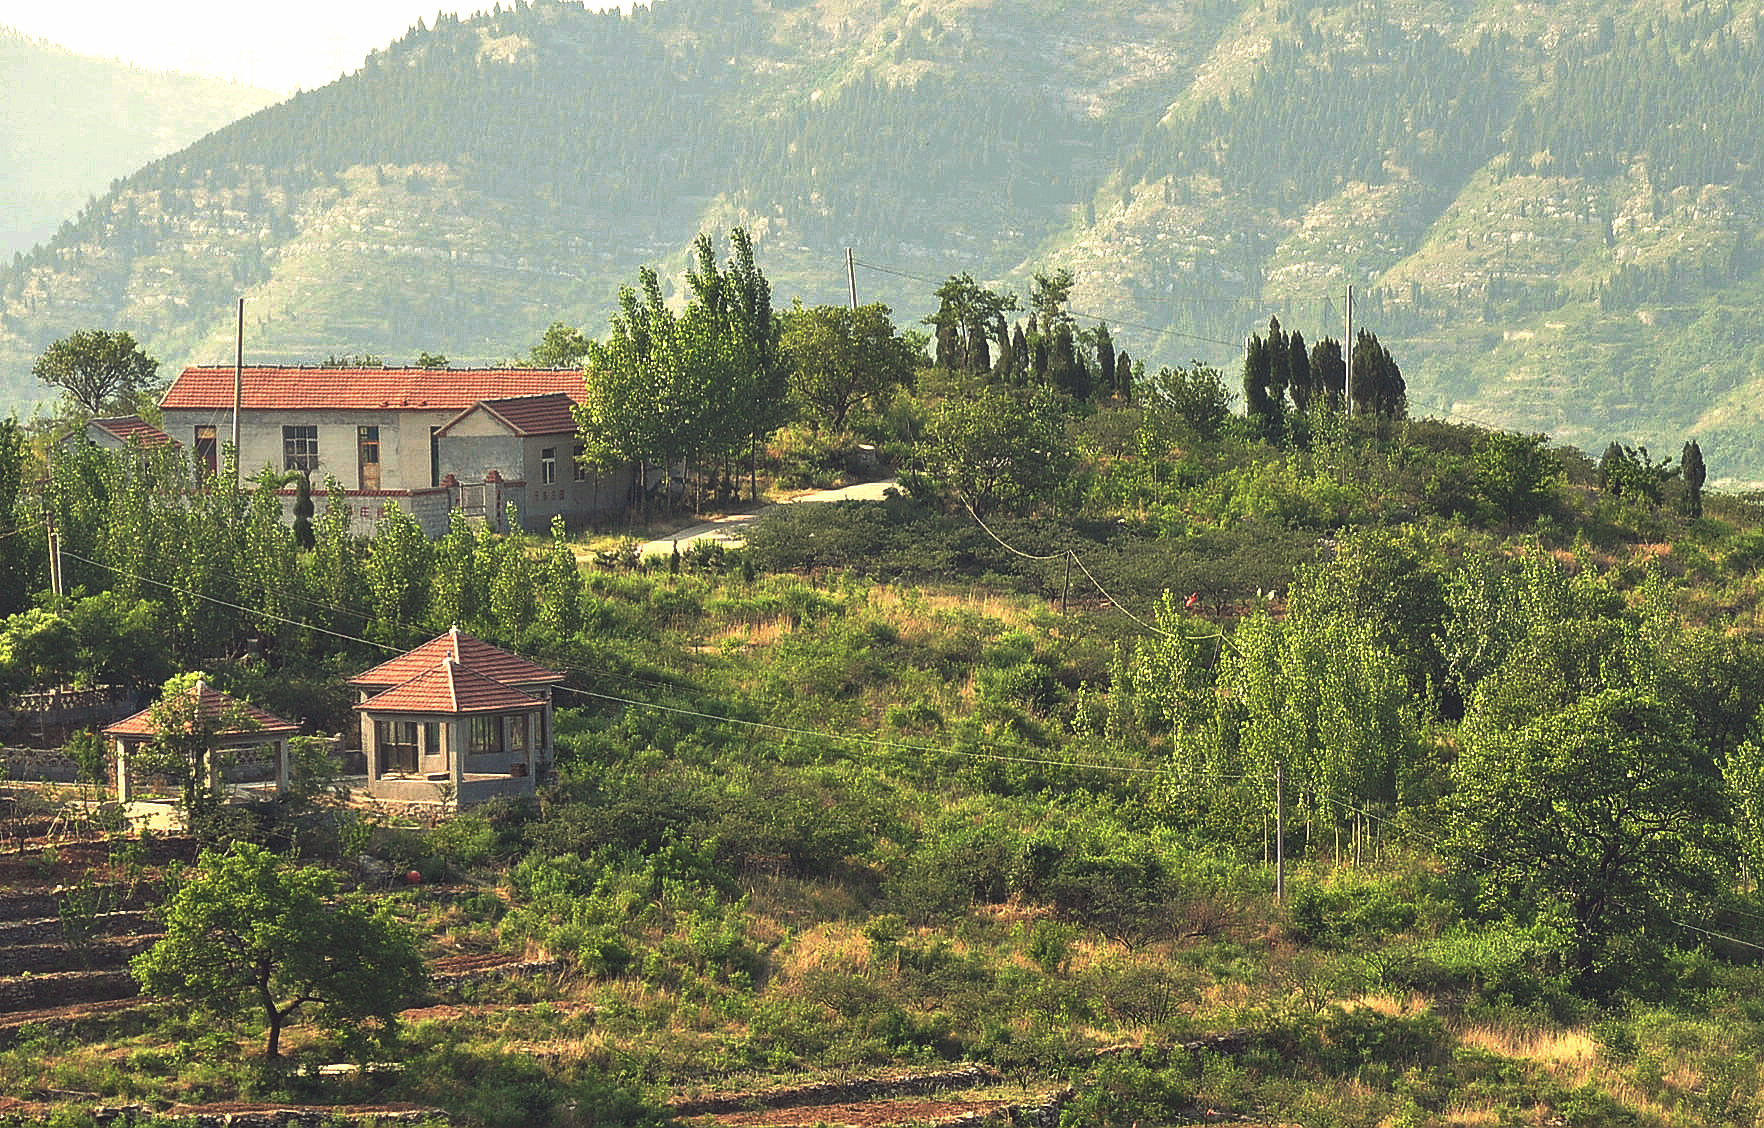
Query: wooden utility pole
point(851, 277)
point(55, 583)
point(238, 385)
point(1347, 355)
point(1279, 833)
point(1067, 586)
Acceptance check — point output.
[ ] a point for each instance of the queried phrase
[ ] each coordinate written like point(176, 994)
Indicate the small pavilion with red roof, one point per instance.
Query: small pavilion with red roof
point(249, 728)
point(455, 717)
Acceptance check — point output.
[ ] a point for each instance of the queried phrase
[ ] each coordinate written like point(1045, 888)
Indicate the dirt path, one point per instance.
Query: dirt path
point(732, 528)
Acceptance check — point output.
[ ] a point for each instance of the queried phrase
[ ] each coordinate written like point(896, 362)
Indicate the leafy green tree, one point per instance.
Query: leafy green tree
point(1196, 395)
point(426, 359)
point(38, 649)
point(1592, 818)
point(1626, 471)
point(999, 449)
point(1048, 295)
point(967, 314)
point(1517, 473)
point(246, 931)
point(563, 346)
point(303, 511)
point(186, 744)
point(97, 370)
point(839, 358)
point(560, 586)
point(397, 576)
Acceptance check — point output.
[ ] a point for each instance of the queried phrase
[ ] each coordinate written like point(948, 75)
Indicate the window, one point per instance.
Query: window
point(576, 453)
point(367, 445)
point(486, 734)
point(547, 466)
point(300, 448)
point(517, 733)
point(398, 745)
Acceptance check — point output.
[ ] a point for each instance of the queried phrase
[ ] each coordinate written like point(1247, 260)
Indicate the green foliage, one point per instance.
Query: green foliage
point(1592, 817)
point(246, 931)
point(999, 450)
point(97, 370)
point(839, 358)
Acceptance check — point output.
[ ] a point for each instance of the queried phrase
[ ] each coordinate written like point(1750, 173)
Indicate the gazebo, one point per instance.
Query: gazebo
point(455, 722)
point(259, 728)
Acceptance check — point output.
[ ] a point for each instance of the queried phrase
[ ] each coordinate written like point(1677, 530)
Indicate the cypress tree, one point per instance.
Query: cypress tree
point(1124, 377)
point(1695, 474)
point(1105, 361)
point(1299, 371)
point(1019, 356)
point(1257, 404)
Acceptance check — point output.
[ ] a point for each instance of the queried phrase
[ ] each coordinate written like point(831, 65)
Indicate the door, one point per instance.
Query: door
point(206, 450)
point(367, 444)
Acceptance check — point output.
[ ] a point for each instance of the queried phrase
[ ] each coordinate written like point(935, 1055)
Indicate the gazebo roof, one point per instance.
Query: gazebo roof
point(212, 703)
point(450, 689)
point(472, 653)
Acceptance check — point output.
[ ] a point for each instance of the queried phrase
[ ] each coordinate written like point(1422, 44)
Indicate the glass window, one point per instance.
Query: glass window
point(576, 453)
point(486, 734)
point(300, 448)
point(206, 447)
point(517, 733)
point(547, 466)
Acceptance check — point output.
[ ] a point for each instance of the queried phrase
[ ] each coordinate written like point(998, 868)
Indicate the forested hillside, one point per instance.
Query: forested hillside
point(1545, 210)
point(75, 124)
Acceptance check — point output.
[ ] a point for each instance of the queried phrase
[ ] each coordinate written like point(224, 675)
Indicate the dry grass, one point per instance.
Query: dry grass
point(1567, 1054)
point(826, 947)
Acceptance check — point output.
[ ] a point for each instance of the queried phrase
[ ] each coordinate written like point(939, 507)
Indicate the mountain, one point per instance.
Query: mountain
point(90, 121)
point(1546, 210)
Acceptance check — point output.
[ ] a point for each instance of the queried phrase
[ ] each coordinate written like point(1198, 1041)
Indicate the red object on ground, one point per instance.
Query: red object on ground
point(414, 877)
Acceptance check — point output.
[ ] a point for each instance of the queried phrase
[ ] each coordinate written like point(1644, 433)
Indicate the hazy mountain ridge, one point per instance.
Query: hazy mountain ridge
point(81, 122)
point(1532, 260)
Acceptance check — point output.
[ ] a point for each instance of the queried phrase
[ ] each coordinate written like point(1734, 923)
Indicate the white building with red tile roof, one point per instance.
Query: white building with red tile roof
point(426, 439)
point(455, 720)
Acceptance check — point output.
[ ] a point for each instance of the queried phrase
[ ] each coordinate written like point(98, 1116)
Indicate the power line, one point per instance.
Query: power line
point(721, 718)
point(1072, 555)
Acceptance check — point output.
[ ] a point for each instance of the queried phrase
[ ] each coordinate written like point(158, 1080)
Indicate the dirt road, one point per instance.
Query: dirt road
point(732, 529)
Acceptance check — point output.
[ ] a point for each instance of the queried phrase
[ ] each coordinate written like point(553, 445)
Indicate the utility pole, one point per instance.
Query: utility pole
point(1067, 586)
point(55, 584)
point(238, 384)
point(1279, 833)
point(1347, 354)
point(851, 277)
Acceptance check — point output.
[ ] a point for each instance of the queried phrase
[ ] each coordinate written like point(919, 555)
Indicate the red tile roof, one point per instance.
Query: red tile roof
point(212, 703)
point(452, 689)
point(131, 427)
point(472, 653)
point(283, 388)
point(526, 415)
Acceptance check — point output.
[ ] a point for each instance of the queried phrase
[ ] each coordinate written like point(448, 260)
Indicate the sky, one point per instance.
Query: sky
point(280, 46)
